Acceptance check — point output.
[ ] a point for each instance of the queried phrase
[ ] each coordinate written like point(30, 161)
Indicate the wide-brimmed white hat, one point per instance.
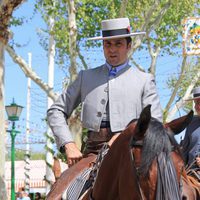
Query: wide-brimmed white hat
point(196, 94)
point(116, 28)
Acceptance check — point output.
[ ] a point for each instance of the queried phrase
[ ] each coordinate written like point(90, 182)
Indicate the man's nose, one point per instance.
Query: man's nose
point(112, 48)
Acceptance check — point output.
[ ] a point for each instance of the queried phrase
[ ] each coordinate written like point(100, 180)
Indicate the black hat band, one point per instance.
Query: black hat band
point(108, 33)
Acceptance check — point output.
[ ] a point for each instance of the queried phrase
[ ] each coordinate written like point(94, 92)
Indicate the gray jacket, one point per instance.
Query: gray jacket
point(127, 94)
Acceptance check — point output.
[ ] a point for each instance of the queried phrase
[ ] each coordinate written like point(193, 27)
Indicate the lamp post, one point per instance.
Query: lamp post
point(13, 111)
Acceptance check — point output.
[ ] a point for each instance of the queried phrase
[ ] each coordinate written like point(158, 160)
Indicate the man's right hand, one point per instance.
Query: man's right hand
point(73, 153)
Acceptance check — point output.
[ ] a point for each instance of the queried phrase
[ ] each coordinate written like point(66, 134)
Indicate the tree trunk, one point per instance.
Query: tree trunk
point(175, 89)
point(49, 143)
point(6, 10)
point(30, 73)
point(74, 121)
point(182, 101)
point(72, 39)
point(2, 126)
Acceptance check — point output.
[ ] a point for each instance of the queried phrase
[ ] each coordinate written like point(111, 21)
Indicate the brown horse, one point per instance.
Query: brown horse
point(143, 163)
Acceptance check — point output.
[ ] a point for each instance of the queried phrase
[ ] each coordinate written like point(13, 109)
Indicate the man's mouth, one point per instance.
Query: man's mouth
point(113, 56)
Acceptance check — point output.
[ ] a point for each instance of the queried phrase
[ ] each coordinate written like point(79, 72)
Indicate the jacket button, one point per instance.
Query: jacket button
point(99, 114)
point(106, 89)
point(103, 101)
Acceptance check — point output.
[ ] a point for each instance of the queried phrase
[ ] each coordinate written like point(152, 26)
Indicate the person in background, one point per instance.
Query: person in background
point(19, 195)
point(111, 95)
point(191, 142)
point(23, 196)
point(38, 196)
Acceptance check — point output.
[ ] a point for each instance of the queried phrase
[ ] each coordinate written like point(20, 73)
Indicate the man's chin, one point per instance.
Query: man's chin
point(114, 64)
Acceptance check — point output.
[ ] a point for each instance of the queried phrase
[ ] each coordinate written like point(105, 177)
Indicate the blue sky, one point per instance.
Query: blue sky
point(16, 81)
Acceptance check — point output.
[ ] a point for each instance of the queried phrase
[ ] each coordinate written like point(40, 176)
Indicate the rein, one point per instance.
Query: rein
point(96, 167)
point(167, 187)
point(137, 143)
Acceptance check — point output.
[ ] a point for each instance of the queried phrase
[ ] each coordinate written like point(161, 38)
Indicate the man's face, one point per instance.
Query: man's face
point(197, 106)
point(116, 51)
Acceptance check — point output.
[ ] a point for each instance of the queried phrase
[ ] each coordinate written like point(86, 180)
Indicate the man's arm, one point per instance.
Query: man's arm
point(150, 96)
point(57, 116)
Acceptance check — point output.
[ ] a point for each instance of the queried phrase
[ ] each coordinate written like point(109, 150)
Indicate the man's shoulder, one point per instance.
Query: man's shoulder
point(196, 117)
point(141, 75)
point(96, 70)
point(194, 124)
point(140, 72)
point(96, 75)
point(195, 120)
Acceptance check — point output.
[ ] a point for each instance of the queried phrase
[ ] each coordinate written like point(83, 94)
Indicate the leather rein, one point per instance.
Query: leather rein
point(139, 143)
point(135, 144)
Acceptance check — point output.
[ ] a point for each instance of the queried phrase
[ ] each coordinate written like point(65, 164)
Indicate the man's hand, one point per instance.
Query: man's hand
point(73, 153)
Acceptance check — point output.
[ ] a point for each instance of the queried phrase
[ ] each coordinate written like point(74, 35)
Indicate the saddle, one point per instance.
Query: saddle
point(83, 182)
point(76, 180)
point(68, 175)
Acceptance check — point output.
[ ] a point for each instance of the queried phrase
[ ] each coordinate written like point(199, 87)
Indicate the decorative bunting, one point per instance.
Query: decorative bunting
point(191, 36)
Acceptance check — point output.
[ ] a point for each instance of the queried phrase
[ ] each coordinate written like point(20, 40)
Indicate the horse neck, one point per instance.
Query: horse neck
point(116, 176)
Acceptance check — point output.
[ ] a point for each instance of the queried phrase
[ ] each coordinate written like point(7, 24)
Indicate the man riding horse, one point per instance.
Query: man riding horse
point(191, 142)
point(111, 95)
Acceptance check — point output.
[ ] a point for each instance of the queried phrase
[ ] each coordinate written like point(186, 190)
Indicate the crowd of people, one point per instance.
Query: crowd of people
point(23, 195)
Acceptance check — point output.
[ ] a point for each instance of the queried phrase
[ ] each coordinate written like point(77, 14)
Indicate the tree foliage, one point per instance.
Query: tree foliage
point(19, 155)
point(193, 67)
point(164, 32)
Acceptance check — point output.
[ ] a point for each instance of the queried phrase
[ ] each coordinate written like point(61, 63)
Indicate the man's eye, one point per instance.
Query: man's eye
point(118, 44)
point(107, 45)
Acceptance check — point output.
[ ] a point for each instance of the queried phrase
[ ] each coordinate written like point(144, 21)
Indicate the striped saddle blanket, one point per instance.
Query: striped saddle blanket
point(86, 179)
point(75, 189)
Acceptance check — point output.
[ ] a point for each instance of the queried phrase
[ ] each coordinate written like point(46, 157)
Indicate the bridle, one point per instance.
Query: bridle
point(139, 143)
point(136, 143)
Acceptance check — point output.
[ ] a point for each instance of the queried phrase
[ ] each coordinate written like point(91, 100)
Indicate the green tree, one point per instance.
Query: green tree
point(160, 19)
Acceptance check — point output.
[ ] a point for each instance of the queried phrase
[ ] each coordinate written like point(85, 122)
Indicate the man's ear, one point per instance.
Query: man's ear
point(129, 45)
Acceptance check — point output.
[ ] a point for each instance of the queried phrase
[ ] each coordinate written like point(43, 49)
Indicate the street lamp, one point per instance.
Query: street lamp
point(13, 112)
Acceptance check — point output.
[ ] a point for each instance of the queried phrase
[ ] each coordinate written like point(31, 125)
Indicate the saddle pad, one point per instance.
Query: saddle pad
point(75, 188)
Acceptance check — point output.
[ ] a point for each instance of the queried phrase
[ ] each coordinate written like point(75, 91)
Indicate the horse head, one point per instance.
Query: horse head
point(176, 126)
point(155, 153)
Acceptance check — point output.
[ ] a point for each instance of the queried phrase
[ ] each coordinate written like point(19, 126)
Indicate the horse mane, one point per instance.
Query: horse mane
point(156, 141)
point(174, 143)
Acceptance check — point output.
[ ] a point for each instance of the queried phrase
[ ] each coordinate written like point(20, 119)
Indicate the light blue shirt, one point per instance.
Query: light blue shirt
point(118, 68)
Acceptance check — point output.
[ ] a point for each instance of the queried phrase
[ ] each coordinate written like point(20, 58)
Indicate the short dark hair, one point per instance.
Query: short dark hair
point(129, 40)
point(38, 194)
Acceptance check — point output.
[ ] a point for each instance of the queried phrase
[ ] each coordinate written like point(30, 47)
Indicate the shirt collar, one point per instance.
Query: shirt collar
point(118, 68)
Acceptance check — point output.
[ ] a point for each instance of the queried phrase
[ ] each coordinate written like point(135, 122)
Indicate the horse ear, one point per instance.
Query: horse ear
point(178, 125)
point(142, 123)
